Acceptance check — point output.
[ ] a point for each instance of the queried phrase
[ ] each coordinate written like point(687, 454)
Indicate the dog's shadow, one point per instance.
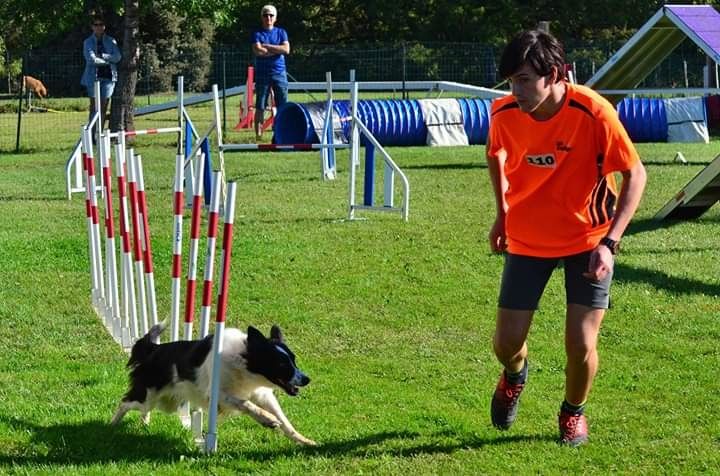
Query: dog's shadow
point(90, 442)
point(94, 442)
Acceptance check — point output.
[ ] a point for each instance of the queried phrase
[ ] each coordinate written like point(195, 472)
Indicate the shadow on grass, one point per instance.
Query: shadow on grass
point(90, 442)
point(445, 166)
point(650, 224)
point(96, 442)
point(26, 198)
point(675, 163)
point(381, 444)
point(663, 280)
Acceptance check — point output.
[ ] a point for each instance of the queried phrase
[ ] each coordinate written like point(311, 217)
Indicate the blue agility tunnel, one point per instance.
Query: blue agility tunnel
point(644, 119)
point(393, 122)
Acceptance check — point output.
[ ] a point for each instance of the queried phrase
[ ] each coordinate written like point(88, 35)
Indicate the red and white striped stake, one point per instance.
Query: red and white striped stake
point(113, 320)
point(128, 281)
point(178, 203)
point(195, 220)
point(93, 221)
point(210, 254)
point(147, 248)
point(211, 439)
point(137, 240)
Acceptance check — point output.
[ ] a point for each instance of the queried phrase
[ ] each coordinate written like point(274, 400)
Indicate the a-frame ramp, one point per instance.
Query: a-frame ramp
point(696, 197)
point(654, 41)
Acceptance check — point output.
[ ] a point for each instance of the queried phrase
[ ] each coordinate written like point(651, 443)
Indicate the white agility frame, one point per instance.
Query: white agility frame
point(328, 166)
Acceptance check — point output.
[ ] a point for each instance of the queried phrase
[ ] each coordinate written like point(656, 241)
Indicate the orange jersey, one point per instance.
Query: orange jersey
point(561, 190)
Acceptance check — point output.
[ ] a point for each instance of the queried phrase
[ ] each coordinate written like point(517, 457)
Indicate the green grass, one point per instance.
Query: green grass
point(392, 320)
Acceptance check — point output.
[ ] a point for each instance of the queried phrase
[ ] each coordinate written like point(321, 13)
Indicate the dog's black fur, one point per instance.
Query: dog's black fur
point(164, 376)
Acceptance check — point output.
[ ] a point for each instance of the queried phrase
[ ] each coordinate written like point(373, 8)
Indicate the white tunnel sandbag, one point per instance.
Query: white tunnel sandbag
point(686, 119)
point(316, 111)
point(444, 121)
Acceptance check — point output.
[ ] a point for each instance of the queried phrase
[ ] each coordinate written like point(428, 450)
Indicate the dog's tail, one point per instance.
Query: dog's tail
point(146, 344)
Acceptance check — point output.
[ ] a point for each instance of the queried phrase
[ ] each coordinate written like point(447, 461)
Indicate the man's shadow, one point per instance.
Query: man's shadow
point(97, 442)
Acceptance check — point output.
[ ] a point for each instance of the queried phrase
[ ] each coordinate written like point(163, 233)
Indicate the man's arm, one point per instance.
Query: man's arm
point(281, 49)
point(633, 185)
point(500, 185)
point(259, 50)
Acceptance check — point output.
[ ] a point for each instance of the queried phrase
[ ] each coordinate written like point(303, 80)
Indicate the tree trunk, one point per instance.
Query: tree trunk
point(122, 109)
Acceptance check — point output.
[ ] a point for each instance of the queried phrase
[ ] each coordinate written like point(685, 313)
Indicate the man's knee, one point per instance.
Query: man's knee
point(507, 346)
point(580, 351)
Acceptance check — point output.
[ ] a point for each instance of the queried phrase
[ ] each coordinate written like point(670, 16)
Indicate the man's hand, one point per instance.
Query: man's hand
point(497, 235)
point(600, 264)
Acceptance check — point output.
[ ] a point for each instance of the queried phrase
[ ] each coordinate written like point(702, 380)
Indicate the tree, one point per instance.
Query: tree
point(122, 109)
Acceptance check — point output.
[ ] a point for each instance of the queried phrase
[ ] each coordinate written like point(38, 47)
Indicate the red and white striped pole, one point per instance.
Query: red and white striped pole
point(137, 240)
point(211, 439)
point(128, 280)
point(178, 204)
point(195, 220)
point(210, 254)
point(93, 221)
point(159, 130)
point(146, 247)
point(113, 321)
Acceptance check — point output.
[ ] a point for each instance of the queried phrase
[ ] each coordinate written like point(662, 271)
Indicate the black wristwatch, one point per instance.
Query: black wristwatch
point(612, 245)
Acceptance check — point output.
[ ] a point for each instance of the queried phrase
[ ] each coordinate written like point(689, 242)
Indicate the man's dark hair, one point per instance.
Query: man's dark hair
point(540, 50)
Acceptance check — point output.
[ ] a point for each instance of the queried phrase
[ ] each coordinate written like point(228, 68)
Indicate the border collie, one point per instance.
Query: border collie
point(164, 376)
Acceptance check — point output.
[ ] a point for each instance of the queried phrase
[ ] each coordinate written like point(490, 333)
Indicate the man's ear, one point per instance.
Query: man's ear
point(556, 75)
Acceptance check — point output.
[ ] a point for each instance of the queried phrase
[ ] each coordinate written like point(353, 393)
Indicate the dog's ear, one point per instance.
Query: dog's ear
point(276, 333)
point(255, 336)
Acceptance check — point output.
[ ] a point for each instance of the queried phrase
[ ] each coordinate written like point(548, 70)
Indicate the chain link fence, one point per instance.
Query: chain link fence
point(25, 119)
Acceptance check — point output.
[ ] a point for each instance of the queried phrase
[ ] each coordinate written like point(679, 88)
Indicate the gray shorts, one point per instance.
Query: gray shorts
point(524, 279)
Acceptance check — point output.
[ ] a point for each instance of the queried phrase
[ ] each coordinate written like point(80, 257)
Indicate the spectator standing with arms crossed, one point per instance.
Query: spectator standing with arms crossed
point(552, 152)
point(102, 55)
point(270, 45)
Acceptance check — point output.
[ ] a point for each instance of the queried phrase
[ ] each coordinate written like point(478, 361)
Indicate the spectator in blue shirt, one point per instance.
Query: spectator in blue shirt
point(102, 55)
point(270, 45)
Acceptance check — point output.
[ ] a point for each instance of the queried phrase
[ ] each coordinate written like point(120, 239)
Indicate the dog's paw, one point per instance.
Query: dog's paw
point(270, 423)
point(304, 441)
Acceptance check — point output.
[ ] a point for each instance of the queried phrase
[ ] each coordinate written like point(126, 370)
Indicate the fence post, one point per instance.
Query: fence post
point(224, 86)
point(404, 70)
point(20, 105)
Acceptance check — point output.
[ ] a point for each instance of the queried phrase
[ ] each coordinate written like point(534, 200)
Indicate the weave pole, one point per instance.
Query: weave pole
point(210, 255)
point(195, 220)
point(146, 247)
point(96, 272)
point(211, 439)
point(137, 241)
point(177, 246)
point(113, 317)
point(130, 323)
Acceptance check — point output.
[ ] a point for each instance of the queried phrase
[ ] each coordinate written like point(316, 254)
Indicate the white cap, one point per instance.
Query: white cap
point(268, 9)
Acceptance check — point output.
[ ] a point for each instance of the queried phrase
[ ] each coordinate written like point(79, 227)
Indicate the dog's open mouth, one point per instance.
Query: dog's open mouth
point(290, 389)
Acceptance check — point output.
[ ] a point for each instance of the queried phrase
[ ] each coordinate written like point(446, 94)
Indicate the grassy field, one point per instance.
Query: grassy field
point(392, 320)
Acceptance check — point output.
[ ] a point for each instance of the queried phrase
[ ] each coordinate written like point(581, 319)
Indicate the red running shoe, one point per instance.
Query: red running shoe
point(505, 403)
point(573, 429)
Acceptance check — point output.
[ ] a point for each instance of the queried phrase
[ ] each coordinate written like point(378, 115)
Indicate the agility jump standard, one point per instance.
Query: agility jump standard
point(328, 160)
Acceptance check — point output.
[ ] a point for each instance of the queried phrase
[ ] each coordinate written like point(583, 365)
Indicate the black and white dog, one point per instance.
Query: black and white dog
point(164, 376)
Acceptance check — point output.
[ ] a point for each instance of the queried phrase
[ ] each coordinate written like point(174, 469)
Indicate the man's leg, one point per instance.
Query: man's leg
point(104, 112)
point(587, 302)
point(261, 95)
point(523, 282)
point(511, 330)
point(280, 89)
point(582, 326)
